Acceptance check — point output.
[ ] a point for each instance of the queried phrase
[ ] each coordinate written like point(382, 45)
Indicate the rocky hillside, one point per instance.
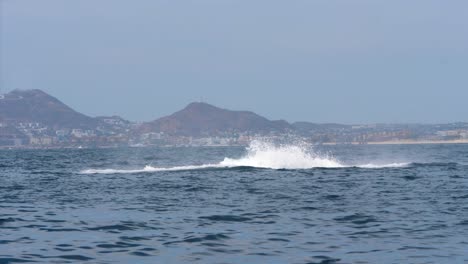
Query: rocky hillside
point(38, 106)
point(204, 119)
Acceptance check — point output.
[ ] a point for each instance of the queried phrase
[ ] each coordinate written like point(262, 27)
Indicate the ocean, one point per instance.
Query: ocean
point(262, 204)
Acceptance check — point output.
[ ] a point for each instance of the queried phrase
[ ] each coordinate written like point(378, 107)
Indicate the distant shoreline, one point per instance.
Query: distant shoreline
point(404, 142)
point(395, 142)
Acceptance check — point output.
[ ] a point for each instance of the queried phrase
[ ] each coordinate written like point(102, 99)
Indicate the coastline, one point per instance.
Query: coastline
point(423, 142)
point(403, 142)
point(393, 142)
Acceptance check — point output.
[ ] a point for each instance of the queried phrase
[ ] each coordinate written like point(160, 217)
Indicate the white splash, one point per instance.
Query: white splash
point(266, 155)
point(261, 155)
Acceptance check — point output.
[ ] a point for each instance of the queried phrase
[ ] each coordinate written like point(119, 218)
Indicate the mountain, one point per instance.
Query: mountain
point(36, 106)
point(199, 119)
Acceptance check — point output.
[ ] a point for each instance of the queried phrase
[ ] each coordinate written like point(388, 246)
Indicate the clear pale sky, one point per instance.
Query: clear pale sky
point(347, 61)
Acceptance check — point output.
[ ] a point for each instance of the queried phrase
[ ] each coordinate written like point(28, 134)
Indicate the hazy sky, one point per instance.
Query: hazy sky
point(347, 61)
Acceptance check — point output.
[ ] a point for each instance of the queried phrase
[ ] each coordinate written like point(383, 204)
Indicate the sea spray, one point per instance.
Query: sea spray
point(259, 154)
point(263, 154)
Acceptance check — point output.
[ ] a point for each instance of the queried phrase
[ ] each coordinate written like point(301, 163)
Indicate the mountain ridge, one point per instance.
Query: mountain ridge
point(196, 119)
point(39, 119)
point(38, 106)
point(199, 118)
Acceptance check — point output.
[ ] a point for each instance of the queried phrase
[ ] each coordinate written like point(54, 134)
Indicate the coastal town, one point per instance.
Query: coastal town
point(51, 124)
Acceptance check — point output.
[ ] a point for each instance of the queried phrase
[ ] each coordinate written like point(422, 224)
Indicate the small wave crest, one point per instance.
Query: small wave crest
point(145, 169)
point(389, 165)
point(263, 155)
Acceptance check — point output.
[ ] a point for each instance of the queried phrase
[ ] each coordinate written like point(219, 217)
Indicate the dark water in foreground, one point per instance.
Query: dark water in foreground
point(390, 204)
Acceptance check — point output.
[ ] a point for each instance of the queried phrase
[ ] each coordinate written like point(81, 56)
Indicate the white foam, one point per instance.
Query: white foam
point(266, 155)
point(145, 169)
point(389, 165)
point(261, 155)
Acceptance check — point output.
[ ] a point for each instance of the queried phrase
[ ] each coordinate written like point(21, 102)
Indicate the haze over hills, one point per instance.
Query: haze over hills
point(199, 119)
point(36, 106)
point(34, 118)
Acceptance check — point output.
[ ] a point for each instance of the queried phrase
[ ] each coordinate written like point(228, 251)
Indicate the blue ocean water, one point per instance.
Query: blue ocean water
point(263, 204)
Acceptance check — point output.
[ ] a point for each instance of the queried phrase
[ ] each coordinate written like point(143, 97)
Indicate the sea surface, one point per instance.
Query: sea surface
point(261, 204)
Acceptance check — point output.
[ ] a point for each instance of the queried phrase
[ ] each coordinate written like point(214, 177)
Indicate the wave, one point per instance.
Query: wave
point(147, 168)
point(262, 155)
point(380, 166)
